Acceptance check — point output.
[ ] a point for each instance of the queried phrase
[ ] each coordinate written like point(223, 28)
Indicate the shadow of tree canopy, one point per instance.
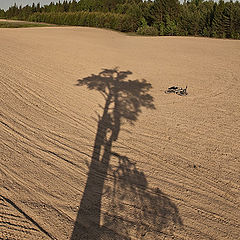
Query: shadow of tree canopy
point(133, 209)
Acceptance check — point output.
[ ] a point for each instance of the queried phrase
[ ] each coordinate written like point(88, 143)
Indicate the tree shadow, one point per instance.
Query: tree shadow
point(133, 209)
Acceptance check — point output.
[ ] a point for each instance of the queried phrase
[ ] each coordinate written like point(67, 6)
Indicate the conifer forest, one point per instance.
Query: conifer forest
point(159, 17)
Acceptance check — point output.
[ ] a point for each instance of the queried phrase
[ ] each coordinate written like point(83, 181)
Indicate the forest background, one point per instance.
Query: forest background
point(159, 17)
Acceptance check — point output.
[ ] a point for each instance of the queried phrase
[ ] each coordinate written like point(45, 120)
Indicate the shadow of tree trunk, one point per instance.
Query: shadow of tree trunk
point(123, 102)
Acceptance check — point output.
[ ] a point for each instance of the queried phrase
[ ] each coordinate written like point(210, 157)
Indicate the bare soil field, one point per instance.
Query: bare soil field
point(6, 23)
point(92, 148)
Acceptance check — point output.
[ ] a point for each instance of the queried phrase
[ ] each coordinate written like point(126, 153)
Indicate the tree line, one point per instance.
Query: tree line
point(159, 17)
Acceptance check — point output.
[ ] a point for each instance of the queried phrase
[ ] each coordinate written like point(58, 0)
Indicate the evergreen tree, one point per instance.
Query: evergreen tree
point(73, 6)
point(218, 28)
point(38, 8)
point(2, 13)
point(170, 28)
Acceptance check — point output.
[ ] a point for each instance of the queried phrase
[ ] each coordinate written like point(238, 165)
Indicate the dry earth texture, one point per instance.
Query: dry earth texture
point(92, 147)
point(20, 24)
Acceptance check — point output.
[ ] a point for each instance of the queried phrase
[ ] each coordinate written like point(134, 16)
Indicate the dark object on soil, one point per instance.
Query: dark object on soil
point(177, 90)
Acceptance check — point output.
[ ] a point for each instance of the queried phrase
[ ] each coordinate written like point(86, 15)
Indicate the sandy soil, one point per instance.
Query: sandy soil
point(174, 173)
point(9, 20)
